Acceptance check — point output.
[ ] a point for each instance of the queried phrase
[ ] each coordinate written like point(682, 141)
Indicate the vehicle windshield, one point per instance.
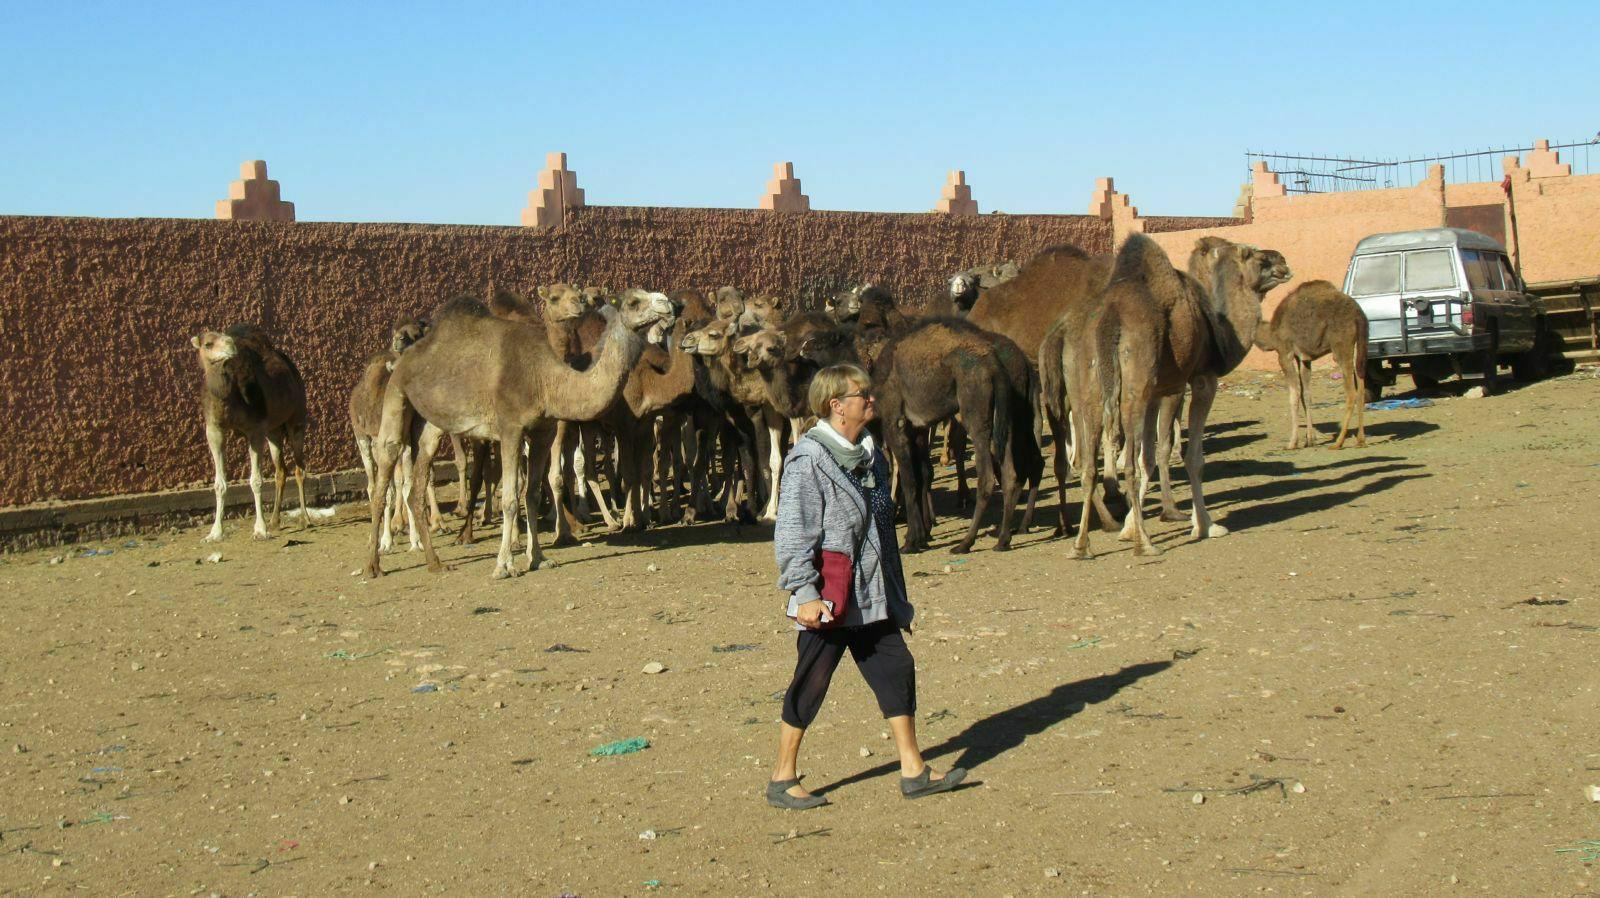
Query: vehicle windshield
point(1375, 275)
point(1430, 269)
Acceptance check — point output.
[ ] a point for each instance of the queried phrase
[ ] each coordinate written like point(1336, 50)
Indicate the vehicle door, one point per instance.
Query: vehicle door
point(1497, 296)
point(1433, 299)
point(1374, 283)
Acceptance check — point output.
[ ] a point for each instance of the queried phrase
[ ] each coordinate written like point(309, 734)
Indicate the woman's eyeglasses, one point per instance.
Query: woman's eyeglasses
point(864, 394)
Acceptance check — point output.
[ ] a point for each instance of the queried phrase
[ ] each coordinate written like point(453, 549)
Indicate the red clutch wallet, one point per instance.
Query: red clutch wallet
point(838, 580)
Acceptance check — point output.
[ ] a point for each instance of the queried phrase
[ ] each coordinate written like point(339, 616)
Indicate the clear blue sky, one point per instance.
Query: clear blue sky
point(443, 113)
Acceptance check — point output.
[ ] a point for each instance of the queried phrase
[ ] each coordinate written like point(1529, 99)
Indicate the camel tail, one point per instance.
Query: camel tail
point(1003, 423)
point(1052, 384)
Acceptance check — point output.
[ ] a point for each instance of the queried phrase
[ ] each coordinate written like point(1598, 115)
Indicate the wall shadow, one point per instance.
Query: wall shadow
point(992, 736)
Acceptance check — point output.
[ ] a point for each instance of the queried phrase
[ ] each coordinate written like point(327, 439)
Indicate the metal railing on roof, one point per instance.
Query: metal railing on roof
point(1313, 173)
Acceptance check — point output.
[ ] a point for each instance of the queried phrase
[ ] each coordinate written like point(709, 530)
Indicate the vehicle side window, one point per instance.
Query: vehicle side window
point(1430, 269)
point(1375, 275)
point(1483, 270)
point(1507, 274)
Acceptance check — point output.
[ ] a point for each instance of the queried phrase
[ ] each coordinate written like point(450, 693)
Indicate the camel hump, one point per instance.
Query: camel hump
point(1056, 251)
point(460, 307)
point(1142, 259)
point(250, 333)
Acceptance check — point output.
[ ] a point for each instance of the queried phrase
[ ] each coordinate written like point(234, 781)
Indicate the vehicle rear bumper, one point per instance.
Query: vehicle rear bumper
point(1427, 344)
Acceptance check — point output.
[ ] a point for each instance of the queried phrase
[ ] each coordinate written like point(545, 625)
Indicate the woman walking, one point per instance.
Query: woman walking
point(835, 516)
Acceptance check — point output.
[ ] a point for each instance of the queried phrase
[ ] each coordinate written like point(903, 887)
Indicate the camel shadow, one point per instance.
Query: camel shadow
point(998, 733)
point(1223, 444)
point(1229, 469)
point(1294, 482)
point(1295, 506)
point(1401, 430)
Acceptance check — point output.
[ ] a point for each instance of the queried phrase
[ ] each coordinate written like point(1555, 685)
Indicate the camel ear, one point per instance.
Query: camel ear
point(544, 292)
point(742, 345)
point(827, 305)
point(195, 341)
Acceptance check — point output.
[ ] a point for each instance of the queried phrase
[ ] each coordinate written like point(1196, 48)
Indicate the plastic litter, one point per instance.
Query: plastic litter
point(1084, 643)
point(735, 647)
point(91, 553)
point(1588, 850)
point(621, 747)
point(426, 687)
point(1389, 405)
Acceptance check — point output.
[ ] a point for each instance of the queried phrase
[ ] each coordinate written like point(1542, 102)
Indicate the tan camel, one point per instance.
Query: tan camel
point(869, 307)
point(490, 378)
point(366, 415)
point(1314, 320)
point(739, 396)
point(1160, 330)
point(253, 389)
point(662, 378)
point(965, 287)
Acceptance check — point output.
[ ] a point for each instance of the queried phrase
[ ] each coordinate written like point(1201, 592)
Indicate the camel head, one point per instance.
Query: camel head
point(709, 340)
point(762, 349)
point(964, 290)
point(598, 296)
point(761, 311)
point(564, 302)
point(645, 311)
point(845, 306)
point(214, 348)
point(728, 303)
point(406, 332)
point(1273, 270)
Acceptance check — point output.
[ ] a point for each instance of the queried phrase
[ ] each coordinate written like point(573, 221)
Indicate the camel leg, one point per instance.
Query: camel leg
point(540, 443)
point(1058, 452)
point(1010, 491)
point(275, 451)
point(214, 436)
point(1165, 434)
point(295, 438)
point(1355, 401)
point(257, 444)
point(1312, 437)
point(900, 446)
point(1139, 430)
point(1177, 431)
point(1087, 436)
point(364, 449)
point(1110, 463)
point(1291, 382)
point(424, 446)
point(774, 422)
point(469, 494)
point(459, 453)
point(384, 455)
point(1205, 393)
point(980, 429)
point(510, 506)
point(957, 440)
point(403, 480)
point(557, 480)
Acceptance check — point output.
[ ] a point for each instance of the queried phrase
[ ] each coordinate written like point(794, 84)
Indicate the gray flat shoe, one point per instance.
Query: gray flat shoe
point(921, 784)
point(778, 796)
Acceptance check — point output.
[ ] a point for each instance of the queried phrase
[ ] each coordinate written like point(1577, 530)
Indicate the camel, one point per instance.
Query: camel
point(869, 307)
point(662, 378)
point(366, 415)
point(965, 287)
point(1024, 307)
point(253, 389)
point(737, 397)
point(1314, 320)
point(1158, 330)
point(490, 378)
point(928, 374)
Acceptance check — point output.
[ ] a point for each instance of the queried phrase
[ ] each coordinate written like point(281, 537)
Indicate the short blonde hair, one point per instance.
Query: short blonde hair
point(832, 383)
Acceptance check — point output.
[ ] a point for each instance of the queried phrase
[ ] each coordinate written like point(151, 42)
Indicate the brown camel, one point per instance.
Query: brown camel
point(366, 415)
point(490, 378)
point(1025, 307)
point(662, 379)
point(253, 389)
point(738, 396)
point(1158, 330)
point(934, 370)
point(869, 307)
point(1314, 320)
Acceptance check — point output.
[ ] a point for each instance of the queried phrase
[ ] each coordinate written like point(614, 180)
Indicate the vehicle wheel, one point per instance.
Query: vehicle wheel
point(1535, 364)
point(1374, 390)
point(1491, 366)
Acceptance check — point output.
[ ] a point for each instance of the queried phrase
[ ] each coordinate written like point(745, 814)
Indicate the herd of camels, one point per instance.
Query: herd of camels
point(681, 403)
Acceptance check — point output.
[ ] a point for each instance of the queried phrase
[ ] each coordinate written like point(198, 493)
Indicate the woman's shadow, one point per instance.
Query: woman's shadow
point(998, 733)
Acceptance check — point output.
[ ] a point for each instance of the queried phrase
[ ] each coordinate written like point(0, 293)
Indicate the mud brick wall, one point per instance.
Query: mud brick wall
point(99, 386)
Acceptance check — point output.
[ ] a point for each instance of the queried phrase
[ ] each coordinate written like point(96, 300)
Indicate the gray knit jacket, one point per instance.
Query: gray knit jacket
point(819, 507)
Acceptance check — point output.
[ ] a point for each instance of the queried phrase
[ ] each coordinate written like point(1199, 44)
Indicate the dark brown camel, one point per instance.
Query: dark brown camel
point(1159, 330)
point(1311, 322)
point(251, 388)
point(934, 370)
point(490, 378)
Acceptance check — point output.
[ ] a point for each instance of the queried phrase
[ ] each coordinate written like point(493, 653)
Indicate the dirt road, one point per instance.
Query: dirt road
point(1382, 683)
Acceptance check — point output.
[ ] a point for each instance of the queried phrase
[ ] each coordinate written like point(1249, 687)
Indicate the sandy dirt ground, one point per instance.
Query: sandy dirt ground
point(1383, 682)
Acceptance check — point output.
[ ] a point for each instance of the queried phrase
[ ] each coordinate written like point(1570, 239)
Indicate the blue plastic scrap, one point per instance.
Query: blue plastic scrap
point(1389, 405)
